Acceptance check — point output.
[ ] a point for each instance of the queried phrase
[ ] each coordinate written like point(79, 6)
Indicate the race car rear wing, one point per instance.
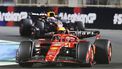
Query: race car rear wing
point(80, 34)
point(35, 16)
point(85, 34)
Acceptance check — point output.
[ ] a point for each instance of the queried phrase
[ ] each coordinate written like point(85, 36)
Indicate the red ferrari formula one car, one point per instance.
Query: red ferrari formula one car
point(64, 48)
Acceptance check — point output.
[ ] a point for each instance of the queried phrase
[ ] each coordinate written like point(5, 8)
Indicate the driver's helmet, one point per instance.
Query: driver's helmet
point(51, 14)
point(61, 30)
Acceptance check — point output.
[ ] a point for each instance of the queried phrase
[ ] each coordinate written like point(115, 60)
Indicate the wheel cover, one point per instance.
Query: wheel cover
point(109, 53)
point(90, 56)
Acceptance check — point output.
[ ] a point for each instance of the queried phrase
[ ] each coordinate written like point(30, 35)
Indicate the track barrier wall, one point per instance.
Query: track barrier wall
point(92, 17)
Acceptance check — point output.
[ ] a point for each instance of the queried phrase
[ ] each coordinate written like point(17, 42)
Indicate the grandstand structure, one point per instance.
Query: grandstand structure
point(69, 3)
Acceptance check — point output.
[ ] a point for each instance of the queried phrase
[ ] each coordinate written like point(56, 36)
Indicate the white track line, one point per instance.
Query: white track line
point(2, 63)
point(7, 63)
point(8, 42)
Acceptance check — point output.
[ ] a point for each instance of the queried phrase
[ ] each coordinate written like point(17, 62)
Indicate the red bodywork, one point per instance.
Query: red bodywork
point(65, 40)
point(57, 42)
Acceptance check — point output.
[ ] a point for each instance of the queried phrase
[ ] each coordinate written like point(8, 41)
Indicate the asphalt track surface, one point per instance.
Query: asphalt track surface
point(115, 36)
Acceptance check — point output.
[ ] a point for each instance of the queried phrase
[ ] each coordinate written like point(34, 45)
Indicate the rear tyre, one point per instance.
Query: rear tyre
point(24, 53)
point(39, 29)
point(40, 25)
point(85, 54)
point(103, 51)
point(25, 27)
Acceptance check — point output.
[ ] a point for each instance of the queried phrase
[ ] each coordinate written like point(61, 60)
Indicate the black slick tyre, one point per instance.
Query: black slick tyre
point(85, 54)
point(25, 27)
point(39, 29)
point(24, 53)
point(103, 51)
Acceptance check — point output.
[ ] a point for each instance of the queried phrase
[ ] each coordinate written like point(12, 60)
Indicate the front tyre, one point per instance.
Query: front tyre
point(24, 53)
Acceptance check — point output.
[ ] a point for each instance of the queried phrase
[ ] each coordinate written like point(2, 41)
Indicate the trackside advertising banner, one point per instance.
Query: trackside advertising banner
point(92, 17)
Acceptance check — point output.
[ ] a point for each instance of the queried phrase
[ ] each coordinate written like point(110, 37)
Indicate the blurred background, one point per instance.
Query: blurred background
point(95, 14)
point(69, 3)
